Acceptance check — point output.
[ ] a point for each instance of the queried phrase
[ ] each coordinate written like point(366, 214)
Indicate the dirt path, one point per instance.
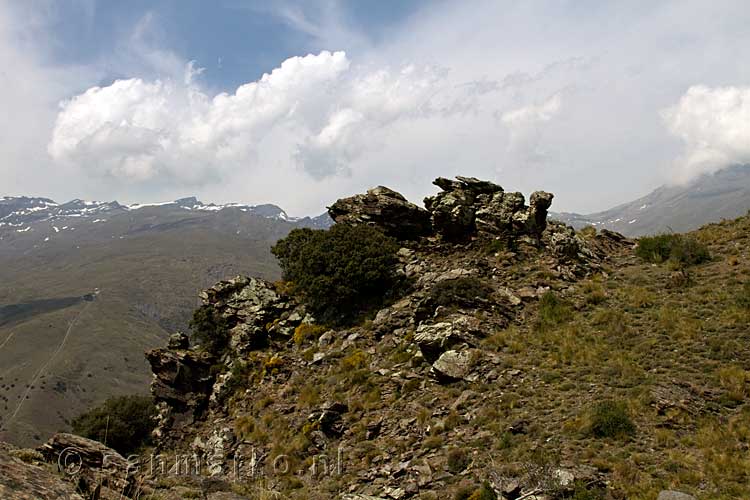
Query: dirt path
point(41, 370)
point(12, 332)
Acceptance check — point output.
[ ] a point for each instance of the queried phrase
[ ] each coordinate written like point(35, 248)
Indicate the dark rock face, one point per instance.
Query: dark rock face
point(181, 386)
point(385, 209)
point(468, 206)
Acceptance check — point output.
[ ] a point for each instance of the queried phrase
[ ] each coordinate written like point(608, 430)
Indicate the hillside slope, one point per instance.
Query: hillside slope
point(86, 287)
point(710, 198)
point(582, 372)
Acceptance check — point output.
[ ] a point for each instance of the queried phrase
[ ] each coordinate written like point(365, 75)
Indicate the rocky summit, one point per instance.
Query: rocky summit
point(520, 359)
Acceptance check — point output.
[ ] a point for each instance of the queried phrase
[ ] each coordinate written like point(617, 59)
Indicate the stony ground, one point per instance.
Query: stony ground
point(487, 378)
point(671, 346)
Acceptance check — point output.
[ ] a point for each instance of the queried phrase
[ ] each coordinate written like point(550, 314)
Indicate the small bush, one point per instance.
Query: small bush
point(553, 311)
point(688, 251)
point(123, 423)
point(677, 248)
point(459, 291)
point(458, 460)
point(484, 492)
point(354, 361)
point(305, 332)
point(587, 232)
point(340, 273)
point(210, 329)
point(610, 419)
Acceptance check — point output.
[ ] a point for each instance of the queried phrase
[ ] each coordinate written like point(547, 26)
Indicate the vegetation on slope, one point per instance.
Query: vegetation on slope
point(123, 423)
point(628, 372)
point(341, 272)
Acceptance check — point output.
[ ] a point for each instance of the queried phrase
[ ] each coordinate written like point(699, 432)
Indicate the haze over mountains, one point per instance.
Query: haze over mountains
point(709, 198)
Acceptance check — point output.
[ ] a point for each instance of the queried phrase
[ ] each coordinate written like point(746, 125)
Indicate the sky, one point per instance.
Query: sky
point(299, 103)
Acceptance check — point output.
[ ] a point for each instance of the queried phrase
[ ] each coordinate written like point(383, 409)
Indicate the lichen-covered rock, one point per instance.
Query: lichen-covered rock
point(454, 365)
point(181, 386)
point(436, 338)
point(385, 209)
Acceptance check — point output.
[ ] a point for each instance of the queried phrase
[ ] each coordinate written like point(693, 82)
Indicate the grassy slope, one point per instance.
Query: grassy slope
point(149, 281)
point(677, 356)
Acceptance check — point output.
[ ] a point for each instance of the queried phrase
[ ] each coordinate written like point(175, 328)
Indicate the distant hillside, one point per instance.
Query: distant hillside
point(711, 198)
point(86, 287)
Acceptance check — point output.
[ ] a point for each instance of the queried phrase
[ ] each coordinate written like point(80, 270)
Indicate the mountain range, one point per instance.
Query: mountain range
point(85, 286)
point(709, 198)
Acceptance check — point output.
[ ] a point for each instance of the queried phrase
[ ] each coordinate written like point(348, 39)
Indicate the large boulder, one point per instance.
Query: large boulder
point(89, 463)
point(28, 481)
point(454, 365)
point(385, 209)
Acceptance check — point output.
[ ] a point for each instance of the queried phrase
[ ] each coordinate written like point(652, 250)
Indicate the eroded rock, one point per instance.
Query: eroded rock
point(383, 208)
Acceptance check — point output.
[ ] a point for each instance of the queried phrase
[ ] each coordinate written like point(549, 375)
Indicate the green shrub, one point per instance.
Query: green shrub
point(484, 492)
point(339, 273)
point(306, 332)
point(677, 248)
point(209, 329)
point(656, 248)
point(459, 291)
point(458, 460)
point(610, 419)
point(583, 492)
point(123, 423)
point(553, 311)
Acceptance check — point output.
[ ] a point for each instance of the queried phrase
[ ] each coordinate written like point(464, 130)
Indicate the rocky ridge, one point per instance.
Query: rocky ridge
point(414, 403)
point(471, 230)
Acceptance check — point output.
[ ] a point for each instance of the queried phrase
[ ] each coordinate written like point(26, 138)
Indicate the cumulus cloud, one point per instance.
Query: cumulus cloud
point(714, 124)
point(319, 108)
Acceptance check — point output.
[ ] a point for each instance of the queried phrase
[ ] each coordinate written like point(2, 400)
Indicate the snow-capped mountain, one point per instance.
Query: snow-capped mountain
point(26, 214)
point(679, 208)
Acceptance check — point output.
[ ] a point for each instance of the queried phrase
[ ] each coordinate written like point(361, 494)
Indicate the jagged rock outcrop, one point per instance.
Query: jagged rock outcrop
point(181, 384)
point(385, 209)
point(475, 263)
point(468, 206)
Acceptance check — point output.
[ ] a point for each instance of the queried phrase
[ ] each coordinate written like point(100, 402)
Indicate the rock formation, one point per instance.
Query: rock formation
point(460, 294)
point(468, 206)
point(464, 208)
point(383, 208)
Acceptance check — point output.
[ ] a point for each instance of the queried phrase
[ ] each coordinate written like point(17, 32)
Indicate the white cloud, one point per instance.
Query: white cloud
point(532, 114)
point(714, 124)
point(319, 108)
point(535, 94)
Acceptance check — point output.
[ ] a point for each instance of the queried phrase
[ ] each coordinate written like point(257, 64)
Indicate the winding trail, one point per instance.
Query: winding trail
point(41, 370)
point(12, 332)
